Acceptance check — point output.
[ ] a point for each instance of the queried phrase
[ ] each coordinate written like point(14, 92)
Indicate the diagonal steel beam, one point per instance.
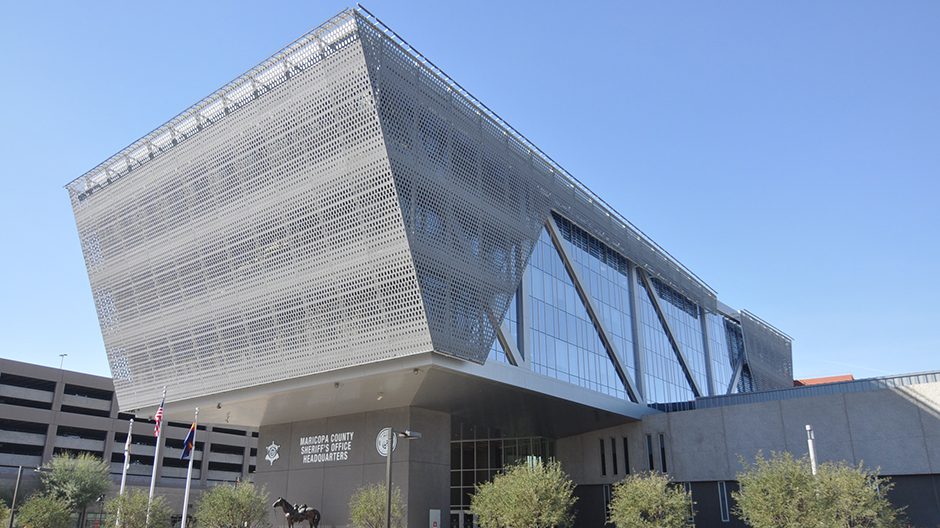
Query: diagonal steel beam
point(501, 338)
point(683, 362)
point(588, 303)
point(505, 339)
point(737, 375)
point(706, 340)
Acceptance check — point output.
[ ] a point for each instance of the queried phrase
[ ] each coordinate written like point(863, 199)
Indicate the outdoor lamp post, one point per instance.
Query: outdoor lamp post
point(391, 438)
point(16, 490)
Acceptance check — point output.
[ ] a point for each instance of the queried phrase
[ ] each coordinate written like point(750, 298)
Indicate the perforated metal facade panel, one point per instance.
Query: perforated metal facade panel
point(340, 204)
point(768, 353)
point(475, 195)
point(266, 245)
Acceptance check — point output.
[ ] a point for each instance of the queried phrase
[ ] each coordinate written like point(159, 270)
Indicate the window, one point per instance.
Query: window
point(649, 450)
point(626, 456)
point(613, 454)
point(603, 459)
point(723, 501)
point(662, 452)
point(607, 498)
point(688, 489)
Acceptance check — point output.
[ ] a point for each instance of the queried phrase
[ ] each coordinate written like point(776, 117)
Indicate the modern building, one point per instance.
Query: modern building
point(47, 411)
point(343, 239)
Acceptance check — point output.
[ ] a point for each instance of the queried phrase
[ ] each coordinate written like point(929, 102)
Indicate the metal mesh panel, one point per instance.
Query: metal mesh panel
point(341, 203)
point(769, 354)
point(471, 212)
point(265, 245)
point(475, 195)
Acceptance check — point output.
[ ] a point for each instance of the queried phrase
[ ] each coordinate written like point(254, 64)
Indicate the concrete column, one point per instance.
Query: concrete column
point(204, 463)
point(56, 409)
point(525, 347)
point(708, 352)
point(638, 358)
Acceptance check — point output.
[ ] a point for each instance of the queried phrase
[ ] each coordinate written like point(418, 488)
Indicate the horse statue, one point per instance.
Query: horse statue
point(298, 513)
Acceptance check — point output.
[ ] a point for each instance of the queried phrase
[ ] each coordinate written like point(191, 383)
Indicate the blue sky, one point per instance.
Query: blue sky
point(787, 152)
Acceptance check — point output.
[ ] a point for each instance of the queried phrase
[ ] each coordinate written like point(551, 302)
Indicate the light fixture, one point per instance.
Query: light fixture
point(379, 396)
point(392, 433)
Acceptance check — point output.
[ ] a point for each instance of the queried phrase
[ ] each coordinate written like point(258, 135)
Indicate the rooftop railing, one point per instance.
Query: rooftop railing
point(308, 49)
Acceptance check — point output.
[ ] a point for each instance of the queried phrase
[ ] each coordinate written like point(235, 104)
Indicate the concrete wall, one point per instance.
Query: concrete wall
point(420, 467)
point(895, 430)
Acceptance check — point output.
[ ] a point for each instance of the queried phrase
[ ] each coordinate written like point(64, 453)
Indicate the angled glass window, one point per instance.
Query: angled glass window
point(724, 354)
point(746, 383)
point(665, 381)
point(683, 317)
point(496, 351)
point(563, 341)
point(727, 346)
point(606, 277)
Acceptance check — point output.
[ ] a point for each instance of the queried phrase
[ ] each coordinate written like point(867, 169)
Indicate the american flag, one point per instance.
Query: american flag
point(158, 418)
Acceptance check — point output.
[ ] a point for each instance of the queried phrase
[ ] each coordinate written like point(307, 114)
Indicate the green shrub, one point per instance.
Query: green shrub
point(79, 480)
point(781, 492)
point(133, 510)
point(649, 500)
point(240, 505)
point(531, 495)
point(44, 511)
point(367, 507)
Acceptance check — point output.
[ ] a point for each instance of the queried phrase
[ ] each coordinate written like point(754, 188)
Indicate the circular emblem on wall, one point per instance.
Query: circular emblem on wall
point(381, 441)
point(272, 454)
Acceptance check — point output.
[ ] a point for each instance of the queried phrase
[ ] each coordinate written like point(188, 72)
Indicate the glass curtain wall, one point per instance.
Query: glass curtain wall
point(683, 317)
point(565, 345)
point(563, 341)
point(606, 277)
point(665, 381)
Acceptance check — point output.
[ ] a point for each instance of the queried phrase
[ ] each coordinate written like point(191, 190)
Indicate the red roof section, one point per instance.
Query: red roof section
point(823, 380)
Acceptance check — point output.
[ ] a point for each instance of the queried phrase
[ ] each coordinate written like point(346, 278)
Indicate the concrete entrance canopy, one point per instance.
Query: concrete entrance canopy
point(515, 400)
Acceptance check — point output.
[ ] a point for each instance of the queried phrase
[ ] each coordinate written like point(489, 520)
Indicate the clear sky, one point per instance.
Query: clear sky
point(787, 152)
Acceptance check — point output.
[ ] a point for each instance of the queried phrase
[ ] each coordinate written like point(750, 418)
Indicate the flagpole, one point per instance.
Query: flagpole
point(156, 459)
point(189, 470)
point(127, 463)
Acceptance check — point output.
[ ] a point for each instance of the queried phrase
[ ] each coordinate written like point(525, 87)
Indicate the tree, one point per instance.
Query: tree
point(228, 505)
point(132, 507)
point(530, 495)
point(649, 500)
point(367, 507)
point(79, 480)
point(781, 492)
point(4, 513)
point(44, 511)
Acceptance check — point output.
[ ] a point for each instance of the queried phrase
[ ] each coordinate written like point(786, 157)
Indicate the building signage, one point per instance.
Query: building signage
point(381, 441)
point(330, 447)
point(272, 454)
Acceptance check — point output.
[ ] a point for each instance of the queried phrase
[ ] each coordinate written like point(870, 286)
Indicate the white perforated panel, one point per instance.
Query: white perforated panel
point(342, 203)
point(266, 245)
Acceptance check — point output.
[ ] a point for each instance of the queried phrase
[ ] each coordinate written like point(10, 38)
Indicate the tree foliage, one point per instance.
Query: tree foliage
point(79, 480)
point(228, 505)
point(367, 507)
point(132, 507)
point(530, 495)
point(4, 514)
point(781, 492)
point(649, 500)
point(44, 511)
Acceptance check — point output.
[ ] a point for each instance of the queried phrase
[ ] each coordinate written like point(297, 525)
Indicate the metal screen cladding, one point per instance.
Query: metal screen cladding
point(769, 354)
point(266, 244)
point(342, 203)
